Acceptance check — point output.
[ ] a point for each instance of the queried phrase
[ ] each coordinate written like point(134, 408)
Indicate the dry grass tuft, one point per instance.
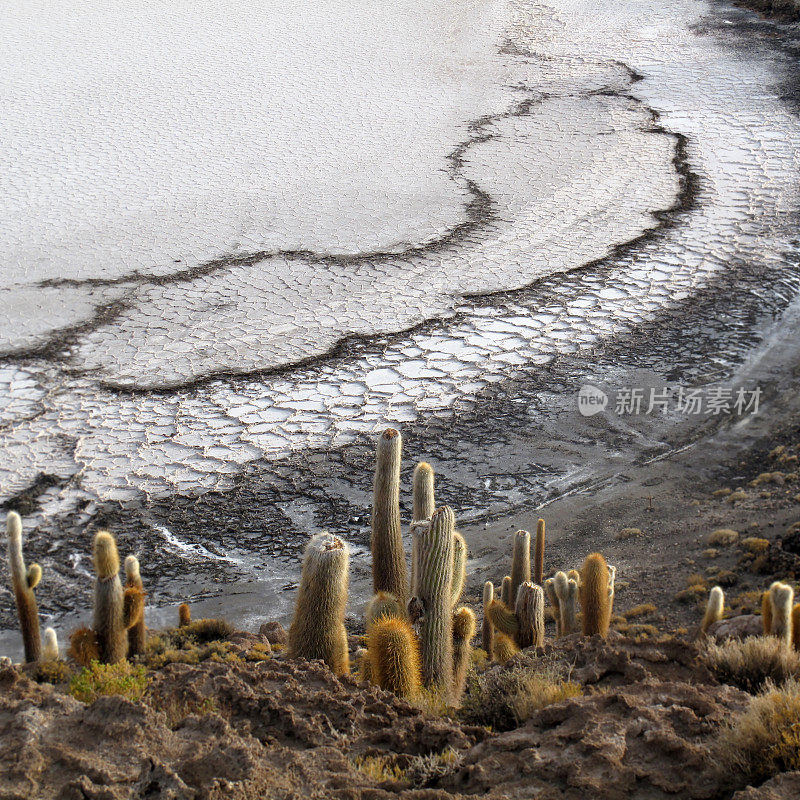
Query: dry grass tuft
point(751, 663)
point(123, 679)
point(642, 610)
point(379, 768)
point(754, 545)
point(504, 698)
point(723, 537)
point(629, 533)
point(764, 740)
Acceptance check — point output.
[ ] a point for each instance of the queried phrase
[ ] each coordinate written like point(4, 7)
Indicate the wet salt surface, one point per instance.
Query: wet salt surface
point(566, 177)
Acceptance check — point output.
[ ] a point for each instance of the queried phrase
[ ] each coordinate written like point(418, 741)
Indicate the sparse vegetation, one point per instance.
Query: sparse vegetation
point(751, 663)
point(754, 545)
point(122, 678)
point(723, 537)
point(642, 610)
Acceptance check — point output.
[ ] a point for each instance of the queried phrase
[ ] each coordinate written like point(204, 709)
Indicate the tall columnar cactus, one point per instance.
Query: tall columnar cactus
point(463, 631)
point(23, 582)
point(567, 591)
point(538, 560)
point(422, 510)
point(781, 596)
point(115, 610)
point(796, 627)
point(594, 595)
point(459, 568)
point(505, 592)
point(526, 622)
point(550, 593)
point(380, 605)
point(714, 609)
point(184, 615)
point(487, 631)
point(389, 572)
point(137, 633)
point(520, 562)
point(50, 650)
point(435, 592)
point(393, 655)
point(317, 630)
point(766, 613)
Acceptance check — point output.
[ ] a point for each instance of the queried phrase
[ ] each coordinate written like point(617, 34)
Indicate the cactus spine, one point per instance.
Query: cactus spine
point(422, 510)
point(393, 657)
point(538, 561)
point(137, 633)
point(594, 594)
point(505, 591)
point(526, 623)
point(50, 650)
point(382, 605)
point(782, 600)
point(459, 568)
point(766, 613)
point(317, 629)
point(435, 585)
point(714, 609)
point(23, 582)
point(389, 573)
point(504, 648)
point(463, 631)
point(567, 591)
point(184, 615)
point(487, 631)
point(550, 592)
point(109, 601)
point(520, 563)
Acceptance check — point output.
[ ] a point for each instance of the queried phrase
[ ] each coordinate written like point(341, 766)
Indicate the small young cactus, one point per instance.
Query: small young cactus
point(594, 592)
point(317, 629)
point(463, 631)
point(550, 593)
point(612, 577)
point(781, 597)
point(505, 592)
point(538, 561)
point(520, 562)
point(109, 601)
point(84, 647)
point(526, 622)
point(23, 582)
point(504, 648)
point(393, 654)
point(389, 572)
point(137, 633)
point(459, 568)
point(382, 605)
point(50, 651)
point(567, 591)
point(435, 594)
point(714, 609)
point(766, 613)
point(487, 631)
point(184, 615)
point(363, 667)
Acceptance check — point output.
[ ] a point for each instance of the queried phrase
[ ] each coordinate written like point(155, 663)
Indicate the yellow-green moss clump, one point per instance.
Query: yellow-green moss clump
point(122, 678)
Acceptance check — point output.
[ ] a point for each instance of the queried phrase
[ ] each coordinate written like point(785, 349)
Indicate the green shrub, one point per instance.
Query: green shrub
point(122, 678)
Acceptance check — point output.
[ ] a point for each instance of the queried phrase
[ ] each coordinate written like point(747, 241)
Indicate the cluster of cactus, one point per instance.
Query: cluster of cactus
point(118, 628)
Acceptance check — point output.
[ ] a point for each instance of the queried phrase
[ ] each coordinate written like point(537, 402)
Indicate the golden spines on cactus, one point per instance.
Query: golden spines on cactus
point(714, 609)
point(487, 631)
point(435, 593)
point(550, 592)
point(317, 630)
point(574, 575)
point(594, 595)
point(464, 626)
point(184, 615)
point(109, 601)
point(389, 572)
point(23, 582)
point(459, 568)
point(382, 604)
point(50, 650)
point(84, 647)
point(505, 592)
point(504, 648)
point(538, 560)
point(137, 632)
point(503, 618)
point(520, 563)
point(781, 597)
point(393, 655)
point(766, 613)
